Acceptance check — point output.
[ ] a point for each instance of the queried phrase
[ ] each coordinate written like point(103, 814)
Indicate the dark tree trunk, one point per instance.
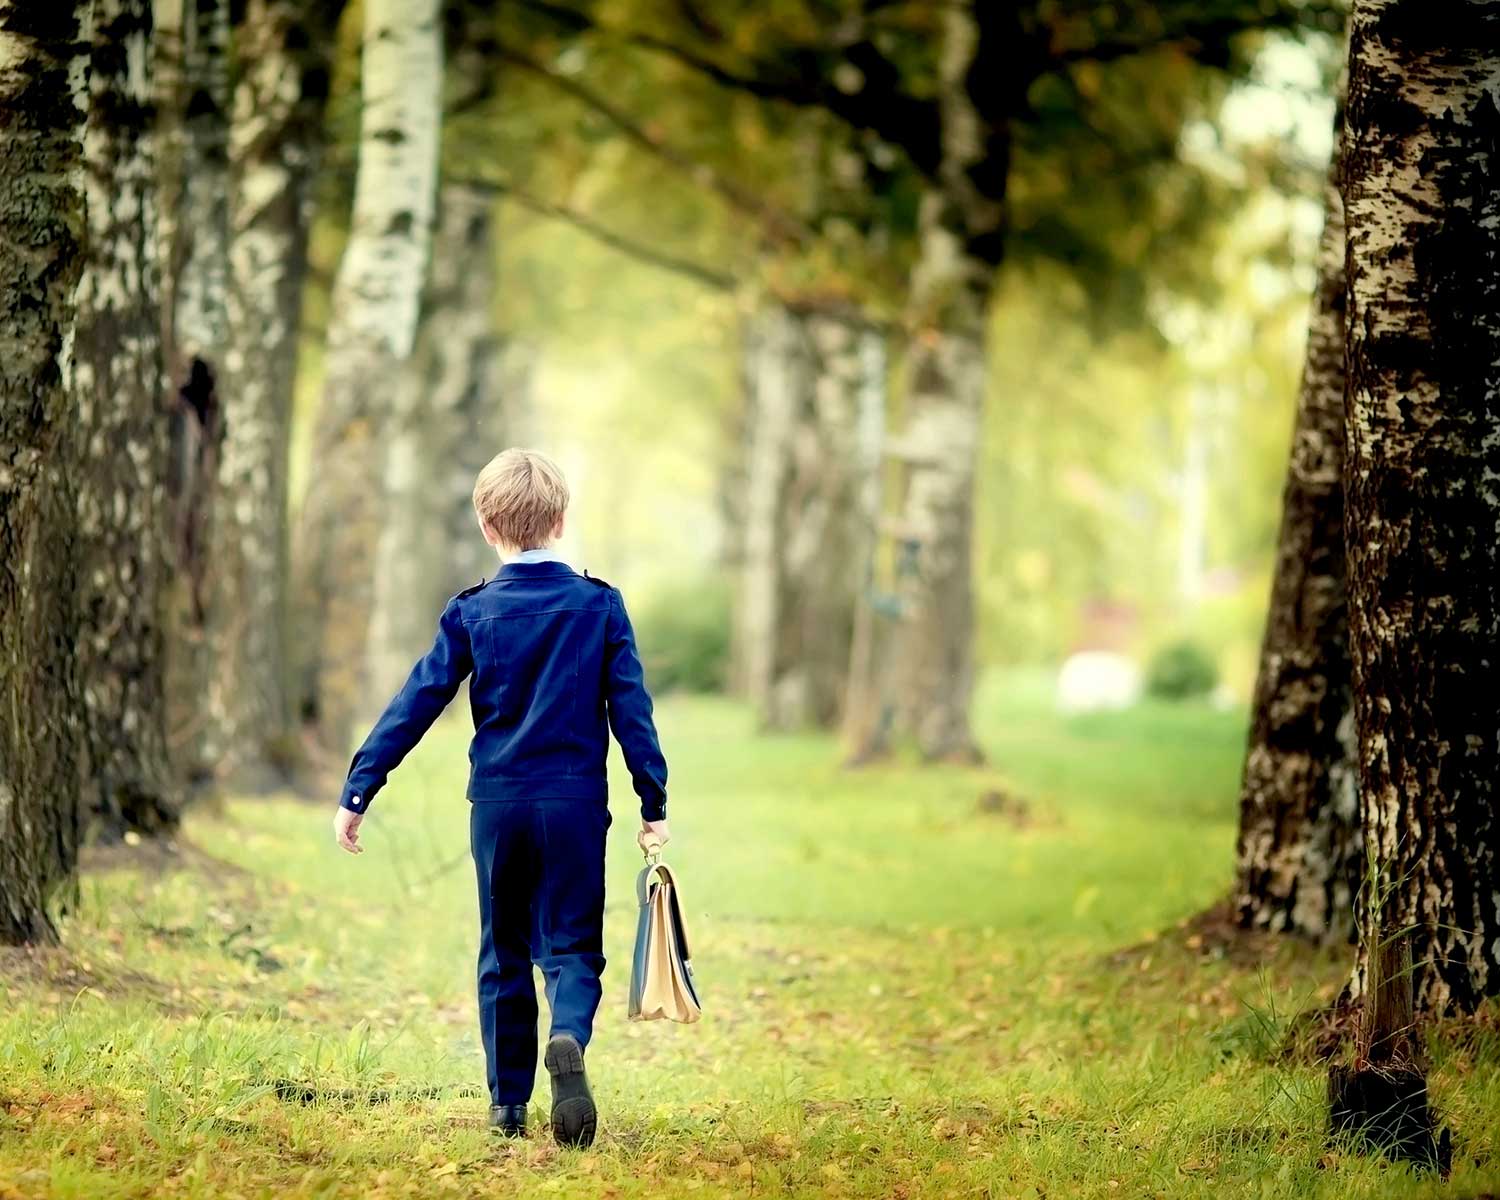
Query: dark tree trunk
point(1380, 1100)
point(1299, 855)
point(818, 376)
point(122, 468)
point(917, 677)
point(451, 417)
point(276, 142)
point(43, 68)
point(1422, 207)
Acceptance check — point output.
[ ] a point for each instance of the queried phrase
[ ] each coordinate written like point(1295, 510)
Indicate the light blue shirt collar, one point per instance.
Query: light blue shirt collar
point(540, 555)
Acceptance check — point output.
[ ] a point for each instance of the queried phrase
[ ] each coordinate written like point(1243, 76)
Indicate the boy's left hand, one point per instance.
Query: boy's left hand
point(346, 830)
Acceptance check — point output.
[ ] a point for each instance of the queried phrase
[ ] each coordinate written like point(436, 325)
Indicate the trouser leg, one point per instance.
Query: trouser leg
point(568, 917)
point(489, 966)
point(500, 838)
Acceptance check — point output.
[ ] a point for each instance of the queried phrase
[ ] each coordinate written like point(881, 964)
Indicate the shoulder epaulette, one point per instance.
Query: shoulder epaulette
point(469, 591)
point(596, 579)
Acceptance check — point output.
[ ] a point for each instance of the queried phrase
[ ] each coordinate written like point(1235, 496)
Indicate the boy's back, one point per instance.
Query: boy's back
point(553, 667)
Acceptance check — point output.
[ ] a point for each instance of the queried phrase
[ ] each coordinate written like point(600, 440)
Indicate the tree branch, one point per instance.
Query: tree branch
point(663, 259)
point(778, 225)
point(803, 77)
point(1196, 35)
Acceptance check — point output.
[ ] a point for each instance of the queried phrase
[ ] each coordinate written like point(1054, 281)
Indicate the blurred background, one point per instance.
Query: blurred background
point(1141, 352)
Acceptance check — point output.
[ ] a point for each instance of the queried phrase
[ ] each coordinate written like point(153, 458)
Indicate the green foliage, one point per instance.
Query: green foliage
point(1080, 493)
point(683, 631)
point(1181, 670)
point(1074, 500)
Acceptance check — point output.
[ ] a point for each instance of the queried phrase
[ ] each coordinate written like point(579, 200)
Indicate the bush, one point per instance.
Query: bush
point(1180, 671)
point(683, 635)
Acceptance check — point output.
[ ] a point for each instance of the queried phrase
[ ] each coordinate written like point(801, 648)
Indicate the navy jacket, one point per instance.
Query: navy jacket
point(554, 668)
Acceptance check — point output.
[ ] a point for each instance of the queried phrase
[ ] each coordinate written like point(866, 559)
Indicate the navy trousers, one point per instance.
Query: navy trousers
point(540, 867)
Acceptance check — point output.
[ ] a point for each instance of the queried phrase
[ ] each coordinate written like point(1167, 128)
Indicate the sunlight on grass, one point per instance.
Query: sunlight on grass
point(910, 990)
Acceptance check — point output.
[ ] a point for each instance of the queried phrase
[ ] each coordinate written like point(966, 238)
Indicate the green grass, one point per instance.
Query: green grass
point(906, 994)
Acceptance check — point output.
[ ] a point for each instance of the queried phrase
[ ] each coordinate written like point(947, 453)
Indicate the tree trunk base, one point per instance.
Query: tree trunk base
point(144, 815)
point(965, 755)
point(882, 752)
point(1384, 1110)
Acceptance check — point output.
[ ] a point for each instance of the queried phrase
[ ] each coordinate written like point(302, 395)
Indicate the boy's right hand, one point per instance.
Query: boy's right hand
point(653, 831)
point(346, 830)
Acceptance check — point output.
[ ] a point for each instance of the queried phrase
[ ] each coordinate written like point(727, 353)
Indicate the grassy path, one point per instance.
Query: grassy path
point(911, 991)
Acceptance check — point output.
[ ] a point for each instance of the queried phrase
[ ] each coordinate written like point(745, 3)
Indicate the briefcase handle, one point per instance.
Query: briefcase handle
point(657, 870)
point(651, 848)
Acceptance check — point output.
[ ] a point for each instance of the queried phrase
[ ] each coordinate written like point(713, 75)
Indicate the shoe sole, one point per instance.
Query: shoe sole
point(574, 1117)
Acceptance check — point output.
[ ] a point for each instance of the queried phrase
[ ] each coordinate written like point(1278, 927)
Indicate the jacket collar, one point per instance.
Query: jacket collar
point(534, 570)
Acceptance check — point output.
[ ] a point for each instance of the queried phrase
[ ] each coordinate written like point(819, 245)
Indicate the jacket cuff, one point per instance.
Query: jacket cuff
point(654, 809)
point(355, 799)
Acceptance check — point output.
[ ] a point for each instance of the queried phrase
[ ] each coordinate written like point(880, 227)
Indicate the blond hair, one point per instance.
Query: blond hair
point(520, 496)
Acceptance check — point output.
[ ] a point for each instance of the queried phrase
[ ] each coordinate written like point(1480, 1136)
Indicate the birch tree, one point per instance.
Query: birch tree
point(375, 302)
point(1299, 860)
point(283, 48)
point(43, 91)
point(122, 468)
point(925, 681)
point(817, 378)
point(451, 416)
point(1422, 208)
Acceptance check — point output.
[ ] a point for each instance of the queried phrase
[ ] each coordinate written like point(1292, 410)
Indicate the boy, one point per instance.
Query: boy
point(553, 659)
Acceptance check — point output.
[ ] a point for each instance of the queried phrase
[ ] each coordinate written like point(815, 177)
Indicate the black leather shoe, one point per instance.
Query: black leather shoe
point(508, 1120)
point(574, 1117)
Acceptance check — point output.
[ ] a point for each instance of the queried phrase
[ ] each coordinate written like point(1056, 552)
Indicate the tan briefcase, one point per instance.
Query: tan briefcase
point(661, 974)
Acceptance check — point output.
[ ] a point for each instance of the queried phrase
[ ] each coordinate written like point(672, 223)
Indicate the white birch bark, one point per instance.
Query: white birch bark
point(819, 406)
point(451, 417)
point(375, 303)
point(122, 471)
point(1421, 186)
